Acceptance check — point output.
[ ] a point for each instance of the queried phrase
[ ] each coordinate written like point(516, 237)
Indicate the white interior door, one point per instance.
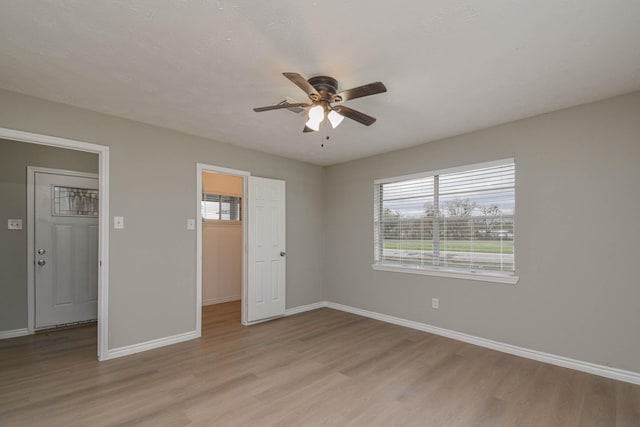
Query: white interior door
point(266, 249)
point(66, 249)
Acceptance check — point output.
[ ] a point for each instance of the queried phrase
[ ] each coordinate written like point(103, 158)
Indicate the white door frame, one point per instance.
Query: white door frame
point(103, 219)
point(200, 168)
point(31, 281)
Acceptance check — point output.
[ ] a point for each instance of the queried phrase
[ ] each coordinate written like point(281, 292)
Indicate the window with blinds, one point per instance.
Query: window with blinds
point(459, 220)
point(217, 207)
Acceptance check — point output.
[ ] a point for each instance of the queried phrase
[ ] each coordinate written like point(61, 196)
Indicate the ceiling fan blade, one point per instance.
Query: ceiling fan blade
point(360, 91)
point(307, 129)
point(355, 115)
point(280, 106)
point(303, 84)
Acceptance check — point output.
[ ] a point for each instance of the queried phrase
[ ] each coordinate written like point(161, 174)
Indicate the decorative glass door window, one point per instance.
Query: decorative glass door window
point(68, 201)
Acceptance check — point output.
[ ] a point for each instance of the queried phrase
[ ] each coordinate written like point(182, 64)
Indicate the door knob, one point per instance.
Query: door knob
point(41, 262)
point(41, 251)
point(283, 253)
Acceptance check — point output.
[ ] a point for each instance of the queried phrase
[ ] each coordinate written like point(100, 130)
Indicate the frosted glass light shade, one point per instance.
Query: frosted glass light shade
point(313, 124)
point(316, 113)
point(335, 118)
point(316, 116)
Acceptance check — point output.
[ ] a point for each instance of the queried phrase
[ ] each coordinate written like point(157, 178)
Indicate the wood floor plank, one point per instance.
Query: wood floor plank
point(323, 367)
point(599, 405)
point(627, 404)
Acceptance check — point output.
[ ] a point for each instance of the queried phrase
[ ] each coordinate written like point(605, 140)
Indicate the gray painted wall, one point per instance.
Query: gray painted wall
point(577, 234)
point(14, 159)
point(153, 185)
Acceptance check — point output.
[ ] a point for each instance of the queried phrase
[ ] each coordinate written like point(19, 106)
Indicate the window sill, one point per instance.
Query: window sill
point(454, 274)
point(213, 225)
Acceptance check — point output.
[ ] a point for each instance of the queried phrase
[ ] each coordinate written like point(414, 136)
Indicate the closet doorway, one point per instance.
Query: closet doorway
point(241, 245)
point(222, 244)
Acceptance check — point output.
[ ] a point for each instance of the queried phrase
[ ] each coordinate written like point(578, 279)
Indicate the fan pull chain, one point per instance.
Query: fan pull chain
point(322, 143)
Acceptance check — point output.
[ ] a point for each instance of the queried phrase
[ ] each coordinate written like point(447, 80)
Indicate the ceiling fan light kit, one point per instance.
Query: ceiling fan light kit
point(323, 93)
point(335, 118)
point(316, 116)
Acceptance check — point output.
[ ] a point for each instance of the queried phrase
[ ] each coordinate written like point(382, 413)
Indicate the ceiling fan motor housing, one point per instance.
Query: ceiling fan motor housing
point(326, 87)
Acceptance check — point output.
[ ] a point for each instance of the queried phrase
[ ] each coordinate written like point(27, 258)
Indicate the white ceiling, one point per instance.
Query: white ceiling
point(450, 66)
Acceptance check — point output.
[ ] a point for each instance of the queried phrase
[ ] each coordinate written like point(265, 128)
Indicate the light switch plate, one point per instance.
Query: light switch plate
point(14, 224)
point(118, 222)
point(191, 224)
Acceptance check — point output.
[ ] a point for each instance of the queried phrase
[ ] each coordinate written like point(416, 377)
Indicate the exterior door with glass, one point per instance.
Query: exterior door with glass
point(66, 248)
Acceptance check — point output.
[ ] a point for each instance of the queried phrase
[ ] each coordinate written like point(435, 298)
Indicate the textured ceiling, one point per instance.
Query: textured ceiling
point(200, 66)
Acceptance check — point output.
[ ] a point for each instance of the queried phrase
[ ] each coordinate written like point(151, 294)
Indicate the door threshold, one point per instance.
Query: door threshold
point(65, 326)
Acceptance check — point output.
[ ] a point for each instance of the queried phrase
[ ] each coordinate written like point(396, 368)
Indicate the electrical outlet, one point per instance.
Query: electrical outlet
point(14, 224)
point(191, 224)
point(435, 303)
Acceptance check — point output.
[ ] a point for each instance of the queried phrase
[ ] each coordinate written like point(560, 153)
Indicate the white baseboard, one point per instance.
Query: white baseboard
point(565, 362)
point(221, 300)
point(303, 308)
point(14, 333)
point(149, 345)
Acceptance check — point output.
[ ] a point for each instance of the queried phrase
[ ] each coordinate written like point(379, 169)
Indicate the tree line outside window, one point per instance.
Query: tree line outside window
point(460, 219)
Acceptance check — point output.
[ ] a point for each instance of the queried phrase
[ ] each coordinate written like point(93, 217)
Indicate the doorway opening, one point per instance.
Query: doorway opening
point(23, 149)
point(222, 217)
point(221, 225)
point(262, 208)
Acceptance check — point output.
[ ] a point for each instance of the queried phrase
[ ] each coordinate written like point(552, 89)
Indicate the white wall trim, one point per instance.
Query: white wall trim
point(150, 345)
point(103, 217)
point(13, 333)
point(303, 308)
point(221, 300)
point(565, 362)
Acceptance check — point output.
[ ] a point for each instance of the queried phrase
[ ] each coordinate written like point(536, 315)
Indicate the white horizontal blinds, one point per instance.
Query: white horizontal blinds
point(476, 217)
point(230, 208)
point(220, 207)
point(406, 221)
point(377, 225)
point(210, 206)
point(461, 220)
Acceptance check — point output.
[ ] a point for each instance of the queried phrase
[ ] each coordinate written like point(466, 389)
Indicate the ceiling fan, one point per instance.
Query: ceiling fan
point(323, 94)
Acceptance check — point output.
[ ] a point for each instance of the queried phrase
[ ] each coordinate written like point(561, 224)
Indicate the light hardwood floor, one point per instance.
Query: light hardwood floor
point(322, 367)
